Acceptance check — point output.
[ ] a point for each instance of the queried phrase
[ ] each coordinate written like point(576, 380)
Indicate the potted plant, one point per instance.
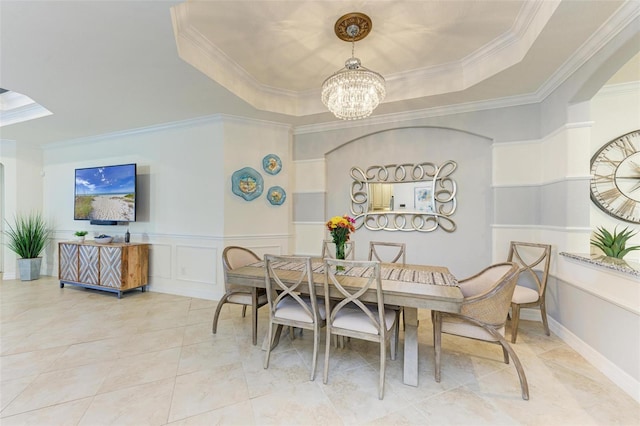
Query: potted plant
point(80, 235)
point(613, 245)
point(27, 238)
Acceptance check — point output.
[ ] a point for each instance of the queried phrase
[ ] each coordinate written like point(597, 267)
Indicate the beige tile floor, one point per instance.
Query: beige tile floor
point(80, 357)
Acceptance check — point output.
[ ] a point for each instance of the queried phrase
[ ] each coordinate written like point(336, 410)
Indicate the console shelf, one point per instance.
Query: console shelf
point(115, 267)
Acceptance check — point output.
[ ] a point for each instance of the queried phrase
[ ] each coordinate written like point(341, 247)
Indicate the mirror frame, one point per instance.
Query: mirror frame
point(443, 197)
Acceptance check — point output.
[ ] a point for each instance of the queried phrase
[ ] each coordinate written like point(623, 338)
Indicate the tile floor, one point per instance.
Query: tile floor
point(80, 357)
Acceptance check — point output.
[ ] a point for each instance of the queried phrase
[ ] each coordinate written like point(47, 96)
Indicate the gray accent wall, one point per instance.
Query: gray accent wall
point(558, 204)
point(309, 207)
point(466, 250)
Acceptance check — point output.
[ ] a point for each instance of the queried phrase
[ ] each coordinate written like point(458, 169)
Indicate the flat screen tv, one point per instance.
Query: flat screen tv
point(106, 195)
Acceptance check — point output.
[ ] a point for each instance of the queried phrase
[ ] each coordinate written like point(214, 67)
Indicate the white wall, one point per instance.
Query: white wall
point(22, 192)
point(186, 209)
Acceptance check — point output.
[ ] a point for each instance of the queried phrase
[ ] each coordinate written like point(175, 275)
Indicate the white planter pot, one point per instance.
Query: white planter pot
point(29, 268)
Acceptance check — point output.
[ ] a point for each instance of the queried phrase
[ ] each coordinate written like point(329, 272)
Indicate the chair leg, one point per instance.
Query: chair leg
point(316, 345)
point(543, 312)
point(383, 361)
point(505, 354)
point(394, 337)
point(516, 361)
point(437, 342)
point(270, 340)
point(214, 326)
point(506, 346)
point(515, 320)
point(254, 322)
point(325, 377)
point(244, 311)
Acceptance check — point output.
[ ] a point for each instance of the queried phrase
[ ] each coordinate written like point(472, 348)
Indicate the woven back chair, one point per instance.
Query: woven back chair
point(487, 297)
point(533, 260)
point(236, 257)
point(349, 316)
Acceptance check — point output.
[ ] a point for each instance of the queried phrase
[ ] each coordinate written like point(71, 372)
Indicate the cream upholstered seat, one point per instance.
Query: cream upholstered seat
point(287, 307)
point(236, 257)
point(386, 252)
point(533, 260)
point(329, 249)
point(348, 316)
point(487, 296)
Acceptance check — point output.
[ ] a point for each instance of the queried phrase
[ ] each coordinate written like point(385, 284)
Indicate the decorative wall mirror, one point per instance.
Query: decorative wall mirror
point(404, 197)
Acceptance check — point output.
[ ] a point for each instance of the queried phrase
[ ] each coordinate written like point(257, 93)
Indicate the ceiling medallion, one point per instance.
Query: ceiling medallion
point(354, 91)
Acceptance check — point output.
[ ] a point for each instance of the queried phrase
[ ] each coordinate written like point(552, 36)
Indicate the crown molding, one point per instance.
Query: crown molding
point(498, 55)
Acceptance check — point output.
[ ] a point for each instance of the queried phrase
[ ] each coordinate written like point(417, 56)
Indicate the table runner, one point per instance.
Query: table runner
point(386, 273)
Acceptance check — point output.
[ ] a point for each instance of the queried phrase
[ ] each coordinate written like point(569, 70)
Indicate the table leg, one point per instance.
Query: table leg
point(410, 376)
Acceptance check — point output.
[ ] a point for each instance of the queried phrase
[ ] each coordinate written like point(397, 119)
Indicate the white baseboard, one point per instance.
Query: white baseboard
point(9, 276)
point(623, 380)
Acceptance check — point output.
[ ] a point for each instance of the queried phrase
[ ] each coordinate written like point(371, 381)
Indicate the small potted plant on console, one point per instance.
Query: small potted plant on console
point(80, 235)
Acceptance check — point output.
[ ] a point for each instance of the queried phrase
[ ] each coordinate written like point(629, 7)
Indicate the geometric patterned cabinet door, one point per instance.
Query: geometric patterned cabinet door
point(111, 266)
point(68, 263)
point(89, 265)
point(114, 267)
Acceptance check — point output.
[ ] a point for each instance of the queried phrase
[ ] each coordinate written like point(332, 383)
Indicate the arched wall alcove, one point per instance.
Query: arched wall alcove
point(467, 249)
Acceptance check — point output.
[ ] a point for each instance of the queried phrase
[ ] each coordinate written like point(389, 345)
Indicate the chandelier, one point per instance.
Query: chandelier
point(354, 91)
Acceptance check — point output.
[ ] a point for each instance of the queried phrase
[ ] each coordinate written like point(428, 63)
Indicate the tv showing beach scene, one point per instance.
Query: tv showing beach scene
point(106, 193)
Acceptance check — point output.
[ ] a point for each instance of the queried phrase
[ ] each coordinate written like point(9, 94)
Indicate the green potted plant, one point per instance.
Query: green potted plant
point(28, 238)
point(613, 245)
point(80, 235)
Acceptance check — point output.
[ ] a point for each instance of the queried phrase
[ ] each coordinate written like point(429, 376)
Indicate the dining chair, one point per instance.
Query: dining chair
point(236, 257)
point(533, 260)
point(387, 252)
point(286, 305)
point(329, 249)
point(349, 316)
point(483, 314)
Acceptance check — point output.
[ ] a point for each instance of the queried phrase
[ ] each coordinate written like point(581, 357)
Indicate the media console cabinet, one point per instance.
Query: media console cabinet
point(114, 267)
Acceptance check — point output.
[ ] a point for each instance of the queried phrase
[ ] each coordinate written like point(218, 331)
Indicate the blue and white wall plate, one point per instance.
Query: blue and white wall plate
point(276, 195)
point(272, 164)
point(247, 183)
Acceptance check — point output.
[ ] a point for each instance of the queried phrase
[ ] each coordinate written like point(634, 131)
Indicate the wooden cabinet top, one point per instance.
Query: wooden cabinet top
point(112, 244)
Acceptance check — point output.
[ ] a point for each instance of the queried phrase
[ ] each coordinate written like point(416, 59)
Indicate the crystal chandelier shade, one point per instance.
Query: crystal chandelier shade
point(354, 91)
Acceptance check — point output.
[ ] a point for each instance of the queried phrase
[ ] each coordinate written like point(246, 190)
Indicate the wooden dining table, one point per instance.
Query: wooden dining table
point(442, 295)
point(400, 287)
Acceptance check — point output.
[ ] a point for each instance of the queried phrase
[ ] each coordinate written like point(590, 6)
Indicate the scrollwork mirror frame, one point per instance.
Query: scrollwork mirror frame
point(443, 197)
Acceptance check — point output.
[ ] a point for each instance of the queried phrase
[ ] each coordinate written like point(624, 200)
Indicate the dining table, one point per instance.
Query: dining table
point(412, 287)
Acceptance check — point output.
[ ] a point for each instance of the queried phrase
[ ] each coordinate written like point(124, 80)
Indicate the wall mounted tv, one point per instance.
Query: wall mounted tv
point(106, 195)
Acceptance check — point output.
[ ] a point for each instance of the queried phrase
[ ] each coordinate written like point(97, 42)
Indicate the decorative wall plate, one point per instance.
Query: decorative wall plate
point(272, 164)
point(247, 183)
point(276, 195)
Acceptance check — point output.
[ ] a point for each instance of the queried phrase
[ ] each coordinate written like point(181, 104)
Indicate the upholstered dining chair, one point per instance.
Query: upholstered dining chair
point(533, 260)
point(286, 305)
point(487, 297)
point(386, 252)
point(349, 316)
point(236, 257)
point(329, 249)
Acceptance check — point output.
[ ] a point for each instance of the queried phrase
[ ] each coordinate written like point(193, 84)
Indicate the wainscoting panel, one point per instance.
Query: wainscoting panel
point(196, 264)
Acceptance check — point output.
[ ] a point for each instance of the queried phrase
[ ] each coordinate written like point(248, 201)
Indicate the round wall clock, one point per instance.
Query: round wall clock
point(615, 177)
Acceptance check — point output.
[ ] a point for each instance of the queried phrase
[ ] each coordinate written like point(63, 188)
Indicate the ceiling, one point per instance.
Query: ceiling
point(108, 66)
